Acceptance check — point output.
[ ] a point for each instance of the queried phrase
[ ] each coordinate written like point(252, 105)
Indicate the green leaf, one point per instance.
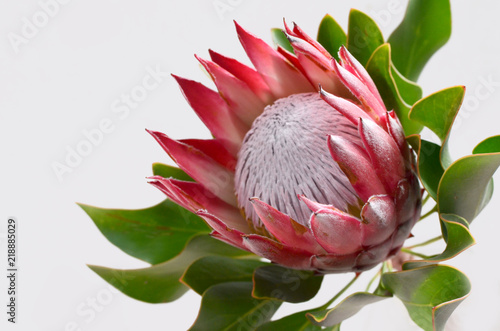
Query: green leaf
point(363, 36)
point(277, 282)
point(230, 306)
point(212, 270)
point(345, 309)
point(379, 68)
point(410, 91)
point(437, 112)
point(466, 186)
point(430, 293)
point(160, 283)
point(458, 240)
point(430, 169)
point(331, 36)
point(295, 322)
point(166, 171)
point(489, 145)
point(154, 234)
point(425, 28)
point(280, 39)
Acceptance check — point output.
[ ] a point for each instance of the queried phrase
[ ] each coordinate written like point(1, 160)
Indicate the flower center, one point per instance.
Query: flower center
point(286, 153)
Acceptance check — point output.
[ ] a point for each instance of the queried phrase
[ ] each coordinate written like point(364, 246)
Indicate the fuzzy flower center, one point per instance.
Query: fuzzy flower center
point(286, 153)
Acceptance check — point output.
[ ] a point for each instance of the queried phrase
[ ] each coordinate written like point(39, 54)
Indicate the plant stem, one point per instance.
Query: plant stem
point(406, 250)
point(325, 306)
point(426, 199)
point(430, 212)
point(373, 278)
point(425, 243)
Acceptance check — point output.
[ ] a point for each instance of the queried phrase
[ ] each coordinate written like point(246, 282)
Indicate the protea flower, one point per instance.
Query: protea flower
point(307, 167)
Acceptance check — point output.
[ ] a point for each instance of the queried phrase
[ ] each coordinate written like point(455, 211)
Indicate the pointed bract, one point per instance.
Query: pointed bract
point(285, 229)
point(379, 220)
point(233, 235)
point(292, 257)
point(240, 98)
point(248, 75)
point(370, 103)
point(281, 77)
point(384, 154)
point(357, 69)
point(336, 232)
point(214, 113)
point(356, 165)
point(217, 179)
point(346, 107)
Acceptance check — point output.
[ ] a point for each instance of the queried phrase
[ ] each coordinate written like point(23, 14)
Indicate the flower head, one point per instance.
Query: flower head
point(307, 167)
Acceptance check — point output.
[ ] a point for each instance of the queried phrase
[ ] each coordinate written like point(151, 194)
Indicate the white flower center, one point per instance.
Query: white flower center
point(286, 153)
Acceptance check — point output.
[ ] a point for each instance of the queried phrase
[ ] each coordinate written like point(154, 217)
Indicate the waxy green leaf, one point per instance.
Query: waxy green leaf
point(160, 282)
point(430, 169)
point(466, 186)
point(363, 36)
point(167, 171)
point(430, 293)
point(437, 112)
point(212, 270)
point(276, 282)
point(379, 68)
point(345, 309)
point(280, 39)
point(154, 234)
point(425, 28)
point(489, 145)
point(230, 306)
point(458, 239)
point(409, 91)
point(295, 322)
point(331, 36)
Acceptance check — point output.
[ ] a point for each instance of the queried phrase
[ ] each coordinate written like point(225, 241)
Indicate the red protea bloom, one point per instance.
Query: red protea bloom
point(319, 181)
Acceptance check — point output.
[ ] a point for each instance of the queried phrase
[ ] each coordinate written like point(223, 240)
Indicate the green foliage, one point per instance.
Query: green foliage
point(437, 112)
point(409, 91)
point(285, 284)
point(430, 293)
point(430, 169)
point(345, 309)
point(425, 28)
point(160, 282)
point(331, 36)
point(466, 186)
point(167, 171)
point(154, 234)
point(230, 306)
point(213, 270)
point(297, 321)
point(380, 68)
point(458, 239)
point(363, 36)
point(280, 39)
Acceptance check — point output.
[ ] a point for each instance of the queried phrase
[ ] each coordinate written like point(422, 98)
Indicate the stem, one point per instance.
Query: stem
point(430, 212)
point(388, 265)
point(426, 199)
point(325, 306)
point(374, 277)
point(406, 250)
point(428, 242)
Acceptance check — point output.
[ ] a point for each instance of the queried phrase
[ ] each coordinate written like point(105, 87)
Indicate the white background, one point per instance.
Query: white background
point(68, 74)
